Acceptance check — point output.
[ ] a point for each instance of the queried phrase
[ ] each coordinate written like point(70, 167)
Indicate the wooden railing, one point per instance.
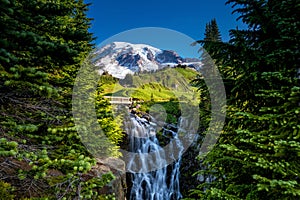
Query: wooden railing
point(119, 100)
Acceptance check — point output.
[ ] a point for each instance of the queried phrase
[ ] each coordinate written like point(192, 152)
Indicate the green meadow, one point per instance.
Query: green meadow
point(170, 84)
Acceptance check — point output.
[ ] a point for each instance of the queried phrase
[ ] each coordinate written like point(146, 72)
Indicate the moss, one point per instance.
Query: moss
point(6, 191)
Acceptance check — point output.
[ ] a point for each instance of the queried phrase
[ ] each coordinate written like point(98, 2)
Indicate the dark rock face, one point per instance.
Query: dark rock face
point(132, 61)
point(150, 55)
point(168, 57)
point(129, 60)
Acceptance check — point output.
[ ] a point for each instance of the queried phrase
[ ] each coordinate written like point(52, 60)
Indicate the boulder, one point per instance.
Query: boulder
point(117, 167)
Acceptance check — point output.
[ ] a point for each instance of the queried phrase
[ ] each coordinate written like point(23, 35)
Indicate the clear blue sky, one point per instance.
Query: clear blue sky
point(188, 17)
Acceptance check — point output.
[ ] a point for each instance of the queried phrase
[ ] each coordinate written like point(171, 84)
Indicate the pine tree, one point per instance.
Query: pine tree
point(208, 32)
point(43, 44)
point(257, 156)
point(212, 32)
point(211, 35)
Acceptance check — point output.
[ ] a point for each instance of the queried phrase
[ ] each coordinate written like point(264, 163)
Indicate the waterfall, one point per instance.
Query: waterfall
point(148, 181)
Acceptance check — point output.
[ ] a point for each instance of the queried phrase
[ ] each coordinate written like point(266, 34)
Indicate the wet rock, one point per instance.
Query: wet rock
point(117, 167)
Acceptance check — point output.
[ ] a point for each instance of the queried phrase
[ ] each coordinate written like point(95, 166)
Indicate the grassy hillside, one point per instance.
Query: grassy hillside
point(165, 85)
point(168, 88)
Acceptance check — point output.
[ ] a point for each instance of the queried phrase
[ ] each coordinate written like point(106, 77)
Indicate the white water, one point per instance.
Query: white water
point(150, 182)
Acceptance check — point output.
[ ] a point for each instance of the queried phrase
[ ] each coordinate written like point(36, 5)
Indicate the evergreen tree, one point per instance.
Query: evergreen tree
point(257, 156)
point(212, 32)
point(216, 35)
point(212, 35)
point(43, 44)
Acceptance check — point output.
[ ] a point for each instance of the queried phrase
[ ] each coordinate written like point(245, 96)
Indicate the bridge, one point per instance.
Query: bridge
point(119, 100)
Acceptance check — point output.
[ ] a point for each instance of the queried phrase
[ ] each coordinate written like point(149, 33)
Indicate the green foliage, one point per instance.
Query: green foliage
point(257, 156)
point(74, 187)
point(171, 108)
point(8, 148)
point(6, 191)
point(108, 79)
point(109, 123)
point(43, 44)
point(212, 32)
point(161, 86)
point(91, 109)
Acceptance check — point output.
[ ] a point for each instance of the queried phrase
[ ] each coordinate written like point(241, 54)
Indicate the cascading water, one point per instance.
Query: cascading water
point(148, 182)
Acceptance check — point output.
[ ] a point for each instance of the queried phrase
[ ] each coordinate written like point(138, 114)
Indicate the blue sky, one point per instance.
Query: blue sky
point(188, 17)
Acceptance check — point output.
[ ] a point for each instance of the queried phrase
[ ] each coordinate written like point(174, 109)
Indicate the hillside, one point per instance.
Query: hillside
point(166, 84)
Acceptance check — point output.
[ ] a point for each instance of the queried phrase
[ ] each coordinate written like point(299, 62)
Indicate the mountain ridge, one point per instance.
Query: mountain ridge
point(121, 58)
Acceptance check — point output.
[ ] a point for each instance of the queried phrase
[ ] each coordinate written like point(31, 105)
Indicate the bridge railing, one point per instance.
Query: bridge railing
point(119, 100)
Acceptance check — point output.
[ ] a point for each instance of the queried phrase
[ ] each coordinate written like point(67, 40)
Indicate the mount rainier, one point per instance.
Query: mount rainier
point(122, 58)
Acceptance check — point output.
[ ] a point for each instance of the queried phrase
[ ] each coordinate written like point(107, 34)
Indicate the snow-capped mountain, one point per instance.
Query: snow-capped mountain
point(121, 58)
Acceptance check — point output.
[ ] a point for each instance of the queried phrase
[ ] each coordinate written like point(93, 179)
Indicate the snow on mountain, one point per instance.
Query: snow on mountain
point(122, 58)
